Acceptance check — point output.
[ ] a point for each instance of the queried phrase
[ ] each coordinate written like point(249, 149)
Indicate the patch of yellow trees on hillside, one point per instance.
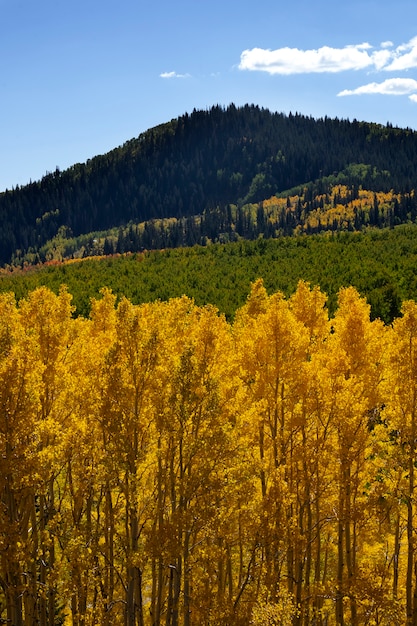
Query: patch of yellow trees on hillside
point(341, 208)
point(162, 466)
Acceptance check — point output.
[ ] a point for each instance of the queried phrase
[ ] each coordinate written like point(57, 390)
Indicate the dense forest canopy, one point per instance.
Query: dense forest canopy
point(306, 210)
point(202, 162)
point(161, 466)
point(380, 263)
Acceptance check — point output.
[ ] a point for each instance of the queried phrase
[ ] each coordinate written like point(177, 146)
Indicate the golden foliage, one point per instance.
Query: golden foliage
point(160, 465)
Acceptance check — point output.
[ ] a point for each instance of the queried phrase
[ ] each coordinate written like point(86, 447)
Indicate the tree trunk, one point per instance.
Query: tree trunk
point(396, 558)
point(349, 545)
point(187, 579)
point(340, 620)
point(410, 530)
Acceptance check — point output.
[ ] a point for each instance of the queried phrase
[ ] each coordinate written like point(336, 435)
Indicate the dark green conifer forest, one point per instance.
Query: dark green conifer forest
point(202, 171)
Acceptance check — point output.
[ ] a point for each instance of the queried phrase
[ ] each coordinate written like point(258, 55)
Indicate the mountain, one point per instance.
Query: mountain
point(201, 163)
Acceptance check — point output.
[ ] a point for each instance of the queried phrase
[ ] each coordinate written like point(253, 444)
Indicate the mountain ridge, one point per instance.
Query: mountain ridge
point(203, 162)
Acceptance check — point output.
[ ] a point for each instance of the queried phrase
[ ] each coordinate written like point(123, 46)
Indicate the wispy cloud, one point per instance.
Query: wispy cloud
point(390, 87)
point(174, 75)
point(362, 56)
point(404, 57)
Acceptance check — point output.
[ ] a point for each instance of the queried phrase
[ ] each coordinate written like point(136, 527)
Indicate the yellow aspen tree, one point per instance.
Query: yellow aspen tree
point(175, 320)
point(196, 422)
point(197, 402)
point(233, 548)
point(317, 477)
point(388, 494)
point(273, 346)
point(383, 519)
point(402, 414)
point(83, 512)
point(100, 342)
point(309, 307)
point(47, 318)
point(354, 368)
point(71, 353)
point(240, 524)
point(129, 441)
point(256, 303)
point(279, 613)
point(20, 479)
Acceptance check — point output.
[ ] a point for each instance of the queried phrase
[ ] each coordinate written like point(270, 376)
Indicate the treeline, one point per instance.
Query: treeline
point(159, 465)
point(340, 208)
point(308, 210)
point(380, 263)
point(201, 161)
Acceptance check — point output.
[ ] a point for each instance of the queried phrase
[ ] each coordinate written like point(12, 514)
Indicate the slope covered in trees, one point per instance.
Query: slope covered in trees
point(160, 465)
point(201, 163)
point(380, 263)
point(307, 210)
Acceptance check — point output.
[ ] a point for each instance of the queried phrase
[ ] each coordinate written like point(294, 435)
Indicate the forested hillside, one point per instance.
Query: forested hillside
point(307, 210)
point(199, 165)
point(380, 263)
point(161, 466)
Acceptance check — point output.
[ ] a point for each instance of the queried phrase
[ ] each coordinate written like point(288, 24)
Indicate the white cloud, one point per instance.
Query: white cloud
point(173, 75)
point(363, 56)
point(380, 58)
point(295, 61)
point(413, 97)
point(391, 87)
point(404, 57)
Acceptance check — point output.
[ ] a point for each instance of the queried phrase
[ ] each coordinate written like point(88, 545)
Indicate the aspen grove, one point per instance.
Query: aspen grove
point(161, 466)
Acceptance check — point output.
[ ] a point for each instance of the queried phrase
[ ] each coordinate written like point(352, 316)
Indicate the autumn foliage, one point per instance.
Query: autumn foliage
point(162, 466)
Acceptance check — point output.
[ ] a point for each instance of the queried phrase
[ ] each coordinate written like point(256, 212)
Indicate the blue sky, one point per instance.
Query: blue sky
point(82, 77)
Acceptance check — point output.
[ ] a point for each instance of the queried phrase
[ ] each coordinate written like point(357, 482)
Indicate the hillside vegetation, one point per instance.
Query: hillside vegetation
point(203, 176)
point(307, 210)
point(380, 263)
